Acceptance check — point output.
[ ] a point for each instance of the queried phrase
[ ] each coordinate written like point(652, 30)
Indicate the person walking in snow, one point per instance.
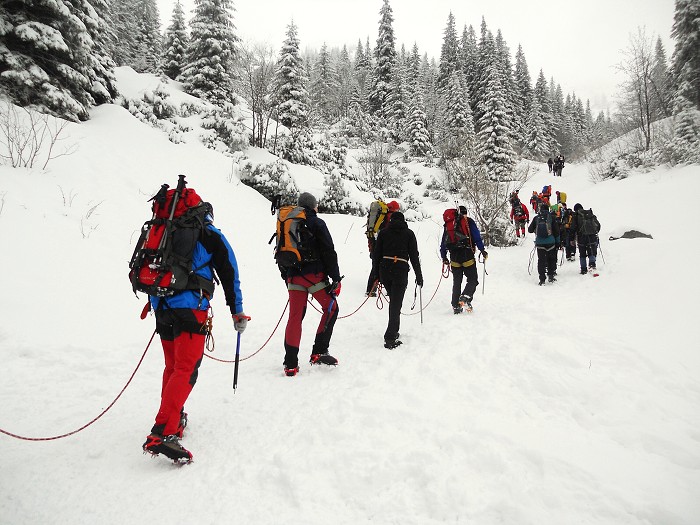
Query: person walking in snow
point(546, 231)
point(535, 201)
point(312, 277)
point(585, 228)
point(550, 163)
point(460, 237)
point(372, 280)
point(396, 247)
point(568, 237)
point(519, 216)
point(181, 324)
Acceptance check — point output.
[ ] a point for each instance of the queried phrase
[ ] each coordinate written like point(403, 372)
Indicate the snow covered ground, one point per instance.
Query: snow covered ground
point(572, 403)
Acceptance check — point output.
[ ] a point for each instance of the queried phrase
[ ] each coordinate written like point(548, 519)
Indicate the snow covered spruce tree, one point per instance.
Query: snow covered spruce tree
point(291, 96)
point(147, 38)
point(52, 58)
point(385, 55)
point(449, 54)
point(175, 44)
point(495, 148)
point(686, 59)
point(457, 137)
point(324, 86)
point(212, 52)
point(124, 26)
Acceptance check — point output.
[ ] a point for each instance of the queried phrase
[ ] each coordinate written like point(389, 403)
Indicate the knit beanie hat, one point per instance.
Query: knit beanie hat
point(306, 200)
point(577, 207)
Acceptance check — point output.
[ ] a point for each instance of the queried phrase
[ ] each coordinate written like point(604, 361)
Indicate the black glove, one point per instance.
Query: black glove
point(484, 254)
point(334, 287)
point(446, 261)
point(419, 280)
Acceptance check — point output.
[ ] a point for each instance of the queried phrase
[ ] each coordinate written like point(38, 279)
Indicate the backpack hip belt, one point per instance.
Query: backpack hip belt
point(394, 258)
point(309, 289)
point(465, 264)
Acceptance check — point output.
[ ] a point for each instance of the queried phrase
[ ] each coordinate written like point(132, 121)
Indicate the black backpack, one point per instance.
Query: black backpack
point(544, 225)
point(587, 222)
point(518, 210)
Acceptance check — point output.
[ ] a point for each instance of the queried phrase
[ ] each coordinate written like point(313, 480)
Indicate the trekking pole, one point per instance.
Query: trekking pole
point(601, 251)
point(532, 256)
point(420, 298)
point(483, 277)
point(235, 363)
point(561, 262)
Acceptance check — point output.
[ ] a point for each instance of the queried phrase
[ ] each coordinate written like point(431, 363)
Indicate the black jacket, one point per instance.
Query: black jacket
point(397, 240)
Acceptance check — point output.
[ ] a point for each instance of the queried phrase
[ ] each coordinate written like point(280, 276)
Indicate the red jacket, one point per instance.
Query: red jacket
point(525, 217)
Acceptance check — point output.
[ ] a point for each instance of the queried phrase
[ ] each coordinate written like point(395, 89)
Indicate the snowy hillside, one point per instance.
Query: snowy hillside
point(572, 403)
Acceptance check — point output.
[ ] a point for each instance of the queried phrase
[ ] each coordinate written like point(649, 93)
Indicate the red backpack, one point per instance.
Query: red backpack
point(161, 264)
point(457, 228)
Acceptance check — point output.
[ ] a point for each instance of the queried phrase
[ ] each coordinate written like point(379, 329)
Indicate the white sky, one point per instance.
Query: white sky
point(578, 42)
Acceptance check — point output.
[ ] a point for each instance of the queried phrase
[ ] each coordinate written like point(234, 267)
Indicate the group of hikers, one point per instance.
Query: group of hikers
point(557, 227)
point(181, 254)
point(556, 165)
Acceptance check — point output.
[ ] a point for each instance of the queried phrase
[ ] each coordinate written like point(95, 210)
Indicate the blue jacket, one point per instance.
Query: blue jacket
point(549, 240)
point(213, 252)
point(473, 232)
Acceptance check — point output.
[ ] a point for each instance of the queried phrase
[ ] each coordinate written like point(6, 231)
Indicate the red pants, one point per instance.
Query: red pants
point(297, 311)
point(183, 351)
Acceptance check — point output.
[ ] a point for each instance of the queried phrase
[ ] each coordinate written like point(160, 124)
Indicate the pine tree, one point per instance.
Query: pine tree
point(457, 137)
point(449, 56)
point(523, 95)
point(417, 132)
point(495, 147)
point(175, 45)
point(346, 83)
point(99, 67)
point(385, 55)
point(147, 38)
point(551, 122)
point(124, 25)
point(290, 85)
point(686, 59)
point(536, 143)
point(661, 83)
point(325, 85)
point(211, 52)
point(470, 53)
point(398, 99)
point(50, 61)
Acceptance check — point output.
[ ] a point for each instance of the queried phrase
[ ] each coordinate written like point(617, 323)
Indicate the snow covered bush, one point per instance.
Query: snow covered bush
point(227, 125)
point(336, 198)
point(270, 179)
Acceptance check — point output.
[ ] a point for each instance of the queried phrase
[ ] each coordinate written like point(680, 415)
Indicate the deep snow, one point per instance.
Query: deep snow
point(576, 402)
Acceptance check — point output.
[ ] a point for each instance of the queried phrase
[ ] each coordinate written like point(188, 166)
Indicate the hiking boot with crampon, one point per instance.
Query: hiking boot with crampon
point(323, 359)
point(291, 371)
point(182, 424)
point(169, 446)
point(552, 279)
point(392, 344)
point(457, 310)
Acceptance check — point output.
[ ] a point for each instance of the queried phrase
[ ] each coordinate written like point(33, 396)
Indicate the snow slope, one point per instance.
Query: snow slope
point(572, 403)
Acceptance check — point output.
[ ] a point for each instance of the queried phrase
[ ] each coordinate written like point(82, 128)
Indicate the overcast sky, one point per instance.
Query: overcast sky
point(576, 41)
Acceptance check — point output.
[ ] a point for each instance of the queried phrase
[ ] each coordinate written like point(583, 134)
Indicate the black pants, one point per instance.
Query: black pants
point(472, 275)
point(570, 243)
point(546, 261)
point(394, 278)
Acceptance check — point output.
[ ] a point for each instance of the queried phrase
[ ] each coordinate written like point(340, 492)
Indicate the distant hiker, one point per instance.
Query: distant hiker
point(310, 276)
point(546, 231)
point(558, 165)
point(519, 216)
point(396, 246)
point(513, 197)
point(585, 227)
point(568, 236)
point(378, 218)
point(550, 163)
point(181, 316)
point(561, 197)
point(460, 236)
point(535, 201)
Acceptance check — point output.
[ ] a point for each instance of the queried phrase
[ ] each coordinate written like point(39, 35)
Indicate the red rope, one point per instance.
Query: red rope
point(258, 350)
point(95, 419)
